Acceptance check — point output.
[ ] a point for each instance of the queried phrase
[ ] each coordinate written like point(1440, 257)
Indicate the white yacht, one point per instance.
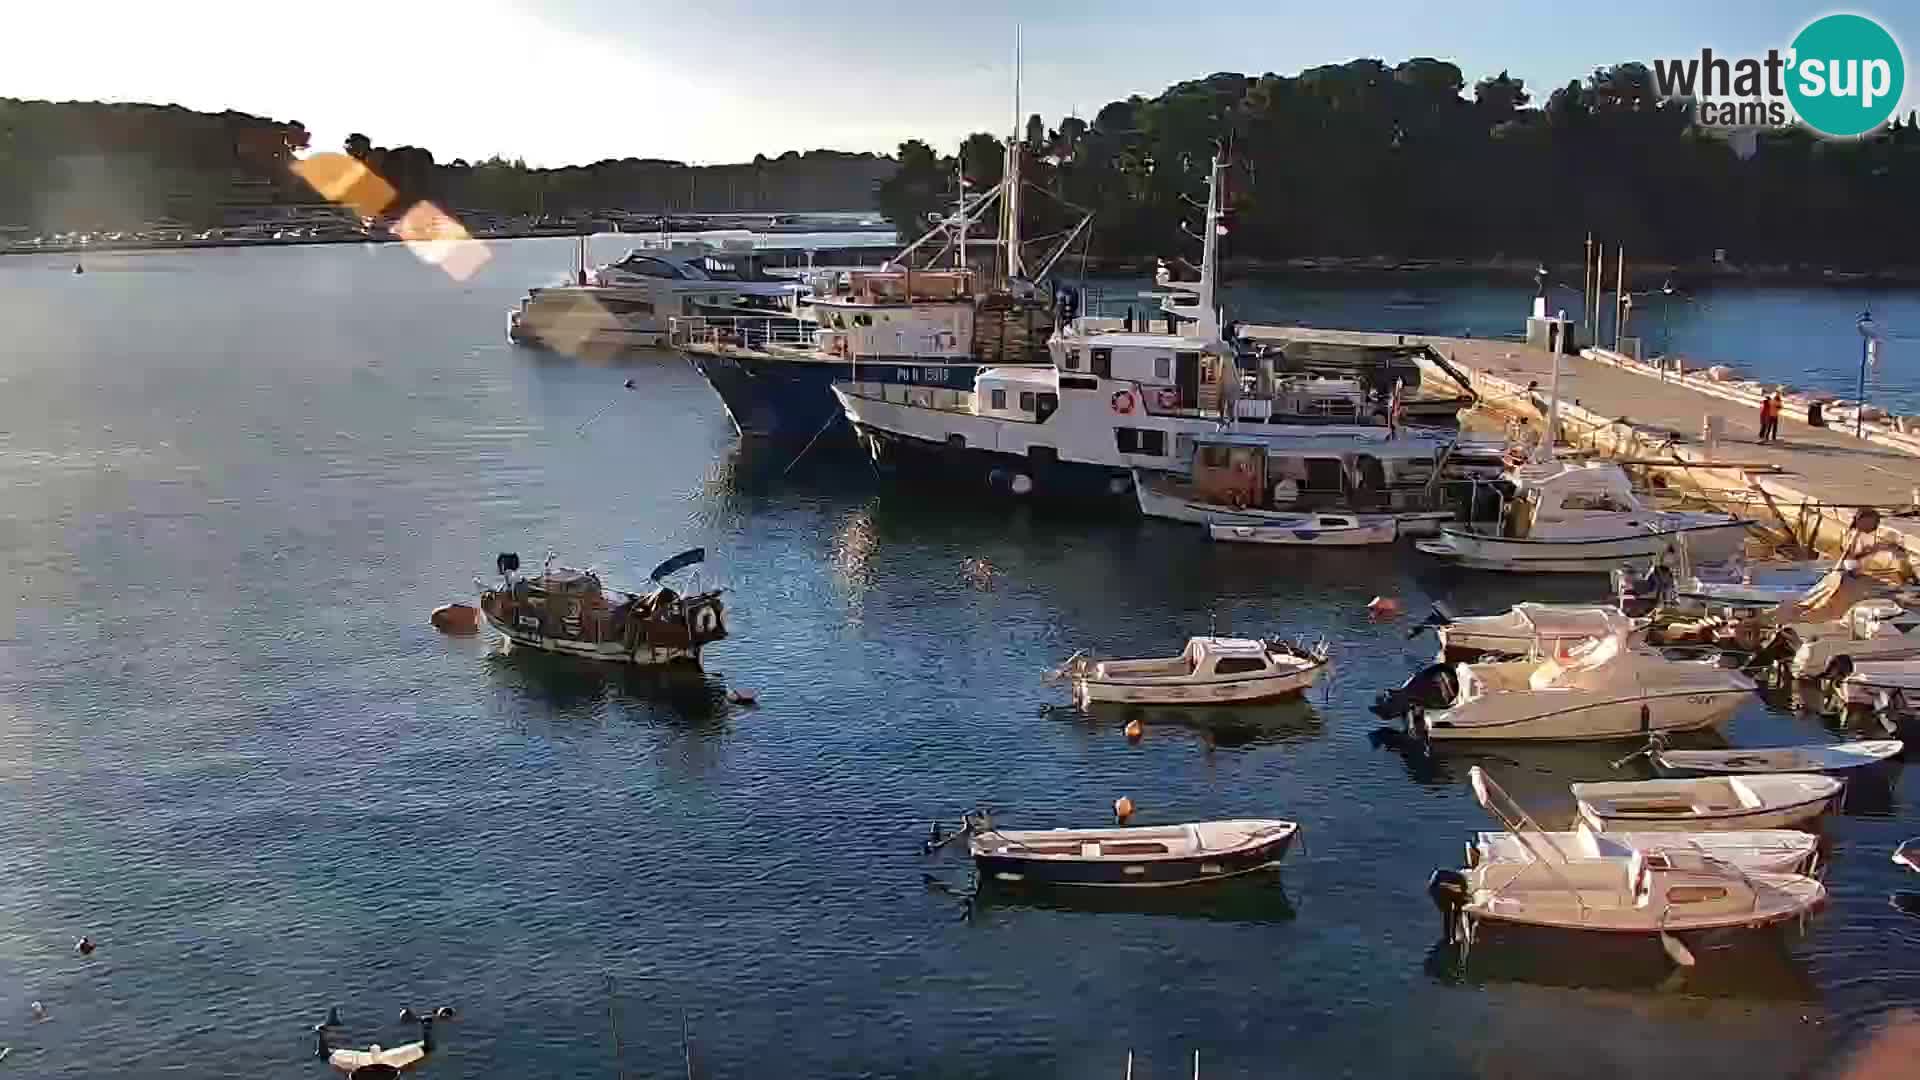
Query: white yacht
point(1584, 518)
point(627, 304)
point(1116, 397)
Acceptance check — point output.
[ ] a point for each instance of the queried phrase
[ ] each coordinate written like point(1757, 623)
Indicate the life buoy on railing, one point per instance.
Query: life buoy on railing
point(1168, 399)
point(1123, 402)
point(706, 620)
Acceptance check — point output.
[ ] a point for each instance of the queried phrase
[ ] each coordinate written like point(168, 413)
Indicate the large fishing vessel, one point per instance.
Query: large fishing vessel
point(931, 327)
point(1116, 397)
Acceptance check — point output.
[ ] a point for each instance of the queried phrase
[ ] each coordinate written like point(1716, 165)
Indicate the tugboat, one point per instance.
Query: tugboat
point(563, 610)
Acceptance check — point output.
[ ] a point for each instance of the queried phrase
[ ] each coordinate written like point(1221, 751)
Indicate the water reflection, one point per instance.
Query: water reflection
point(1233, 727)
point(1755, 965)
point(677, 695)
point(1253, 898)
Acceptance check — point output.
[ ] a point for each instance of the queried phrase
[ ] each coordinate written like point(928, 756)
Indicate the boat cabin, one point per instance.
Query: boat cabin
point(1313, 474)
point(1177, 372)
point(1204, 657)
point(894, 314)
point(1569, 493)
point(1016, 393)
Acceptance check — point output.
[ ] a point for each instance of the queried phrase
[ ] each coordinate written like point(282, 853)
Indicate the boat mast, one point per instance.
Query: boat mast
point(1010, 182)
point(1544, 451)
point(960, 209)
point(1207, 322)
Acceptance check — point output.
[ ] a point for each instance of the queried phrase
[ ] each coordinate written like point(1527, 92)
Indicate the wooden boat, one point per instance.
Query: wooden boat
point(1657, 894)
point(1766, 801)
point(1211, 670)
point(1825, 758)
point(1313, 530)
point(1768, 851)
point(563, 610)
point(1158, 856)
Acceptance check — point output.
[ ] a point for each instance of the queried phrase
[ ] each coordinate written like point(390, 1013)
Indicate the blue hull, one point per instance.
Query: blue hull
point(783, 399)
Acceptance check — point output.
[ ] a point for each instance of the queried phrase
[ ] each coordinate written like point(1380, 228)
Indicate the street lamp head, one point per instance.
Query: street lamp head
point(1666, 287)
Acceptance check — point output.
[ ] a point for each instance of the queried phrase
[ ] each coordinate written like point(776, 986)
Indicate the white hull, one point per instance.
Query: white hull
point(1777, 898)
point(1766, 851)
point(1777, 801)
point(1226, 691)
point(1171, 507)
point(1570, 715)
point(1531, 629)
point(1581, 556)
point(1881, 682)
point(609, 652)
point(1311, 530)
point(1839, 757)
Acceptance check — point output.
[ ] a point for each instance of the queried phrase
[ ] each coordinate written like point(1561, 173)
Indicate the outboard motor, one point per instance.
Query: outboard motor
point(506, 562)
point(1639, 596)
point(1449, 890)
point(1432, 687)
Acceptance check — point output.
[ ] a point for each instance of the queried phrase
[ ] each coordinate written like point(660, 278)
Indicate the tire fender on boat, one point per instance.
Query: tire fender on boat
point(705, 620)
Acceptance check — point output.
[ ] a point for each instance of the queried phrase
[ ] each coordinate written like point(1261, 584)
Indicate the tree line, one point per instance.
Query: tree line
point(1363, 159)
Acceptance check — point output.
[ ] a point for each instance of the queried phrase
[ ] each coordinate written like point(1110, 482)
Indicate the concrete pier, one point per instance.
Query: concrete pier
point(1805, 487)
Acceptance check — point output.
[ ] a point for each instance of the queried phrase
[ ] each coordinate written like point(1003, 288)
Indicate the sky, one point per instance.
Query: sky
point(707, 81)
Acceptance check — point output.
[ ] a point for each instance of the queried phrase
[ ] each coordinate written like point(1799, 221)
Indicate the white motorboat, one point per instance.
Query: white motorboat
point(1528, 630)
point(1313, 530)
point(1210, 671)
point(627, 304)
point(1762, 801)
point(1584, 518)
point(1656, 893)
point(1826, 758)
point(1767, 851)
point(1599, 689)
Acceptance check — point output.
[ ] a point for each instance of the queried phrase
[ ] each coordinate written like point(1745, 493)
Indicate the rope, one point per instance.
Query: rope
point(816, 438)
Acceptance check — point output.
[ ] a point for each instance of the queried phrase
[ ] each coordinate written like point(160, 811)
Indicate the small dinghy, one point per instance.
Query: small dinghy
point(1767, 851)
point(1765, 801)
point(1655, 894)
point(1312, 530)
point(1152, 856)
point(1211, 670)
point(1908, 855)
point(1827, 758)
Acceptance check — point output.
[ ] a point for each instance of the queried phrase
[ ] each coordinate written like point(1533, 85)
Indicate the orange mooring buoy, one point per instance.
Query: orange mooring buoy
point(1122, 809)
point(1134, 730)
point(1383, 607)
point(456, 619)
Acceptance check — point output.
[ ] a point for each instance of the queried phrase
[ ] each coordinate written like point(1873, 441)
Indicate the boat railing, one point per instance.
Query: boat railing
point(740, 331)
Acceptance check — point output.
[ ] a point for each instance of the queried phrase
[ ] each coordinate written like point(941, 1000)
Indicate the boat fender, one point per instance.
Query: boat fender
point(1449, 890)
point(1118, 485)
point(1022, 484)
point(1134, 730)
point(1123, 402)
point(706, 620)
point(1646, 719)
point(1122, 809)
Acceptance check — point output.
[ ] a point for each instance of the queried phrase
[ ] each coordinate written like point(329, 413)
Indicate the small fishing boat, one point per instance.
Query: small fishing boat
point(1599, 689)
point(1313, 530)
point(1211, 670)
point(563, 610)
point(1908, 855)
point(1657, 894)
point(1880, 684)
point(1819, 758)
point(1767, 851)
point(1526, 630)
point(1763, 801)
point(1153, 856)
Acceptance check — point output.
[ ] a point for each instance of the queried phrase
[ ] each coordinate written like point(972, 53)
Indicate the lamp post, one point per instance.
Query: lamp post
point(1666, 320)
point(1869, 334)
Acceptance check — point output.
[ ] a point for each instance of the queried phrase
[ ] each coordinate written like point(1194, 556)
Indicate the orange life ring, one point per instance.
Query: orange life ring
point(1168, 399)
point(1123, 401)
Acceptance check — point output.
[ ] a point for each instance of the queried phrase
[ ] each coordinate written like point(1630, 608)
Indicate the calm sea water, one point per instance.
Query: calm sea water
point(233, 751)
